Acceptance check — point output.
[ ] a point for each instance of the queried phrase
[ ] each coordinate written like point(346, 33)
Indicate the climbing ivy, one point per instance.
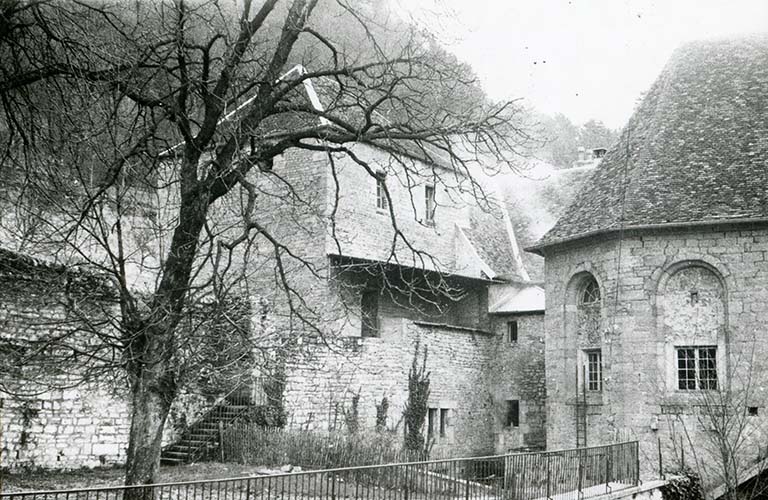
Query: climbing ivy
point(416, 407)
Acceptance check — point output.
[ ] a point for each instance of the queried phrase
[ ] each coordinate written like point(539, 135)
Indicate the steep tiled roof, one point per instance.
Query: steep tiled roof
point(695, 150)
point(492, 242)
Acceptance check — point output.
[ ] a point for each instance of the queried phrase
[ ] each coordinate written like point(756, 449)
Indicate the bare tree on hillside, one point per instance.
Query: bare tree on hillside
point(138, 138)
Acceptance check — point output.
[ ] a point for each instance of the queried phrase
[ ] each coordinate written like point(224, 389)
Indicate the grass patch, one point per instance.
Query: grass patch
point(92, 478)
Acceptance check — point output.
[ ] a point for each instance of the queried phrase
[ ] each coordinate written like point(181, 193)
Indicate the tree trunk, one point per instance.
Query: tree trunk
point(151, 403)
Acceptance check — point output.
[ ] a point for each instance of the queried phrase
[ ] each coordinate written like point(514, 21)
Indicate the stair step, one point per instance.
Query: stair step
point(171, 461)
point(180, 448)
point(195, 443)
point(203, 434)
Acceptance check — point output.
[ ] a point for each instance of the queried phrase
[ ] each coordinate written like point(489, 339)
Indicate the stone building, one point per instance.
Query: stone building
point(378, 264)
point(453, 282)
point(656, 275)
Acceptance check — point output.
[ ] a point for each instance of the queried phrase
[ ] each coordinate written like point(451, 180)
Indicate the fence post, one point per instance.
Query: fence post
point(661, 470)
point(637, 462)
point(221, 440)
point(405, 490)
point(466, 479)
point(549, 486)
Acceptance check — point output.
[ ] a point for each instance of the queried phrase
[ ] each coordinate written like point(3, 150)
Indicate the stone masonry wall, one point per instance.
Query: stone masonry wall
point(64, 429)
point(472, 376)
point(48, 418)
point(691, 287)
point(365, 231)
point(516, 371)
point(321, 382)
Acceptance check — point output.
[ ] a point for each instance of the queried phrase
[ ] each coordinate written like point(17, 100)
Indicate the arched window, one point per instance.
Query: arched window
point(588, 306)
point(590, 293)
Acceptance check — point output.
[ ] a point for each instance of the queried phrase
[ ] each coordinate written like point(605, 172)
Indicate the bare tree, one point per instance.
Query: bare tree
point(719, 434)
point(126, 126)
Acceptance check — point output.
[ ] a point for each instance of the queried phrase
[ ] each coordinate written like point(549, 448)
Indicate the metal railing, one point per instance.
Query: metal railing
point(566, 474)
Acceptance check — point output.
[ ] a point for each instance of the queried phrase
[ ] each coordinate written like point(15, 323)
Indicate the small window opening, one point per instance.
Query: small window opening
point(432, 415)
point(444, 422)
point(369, 314)
point(512, 332)
point(752, 411)
point(381, 191)
point(694, 297)
point(513, 413)
point(429, 203)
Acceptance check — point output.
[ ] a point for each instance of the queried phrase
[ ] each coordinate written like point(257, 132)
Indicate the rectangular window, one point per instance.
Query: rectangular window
point(512, 332)
point(513, 413)
point(697, 368)
point(429, 203)
point(444, 422)
point(381, 191)
point(432, 415)
point(369, 314)
point(594, 370)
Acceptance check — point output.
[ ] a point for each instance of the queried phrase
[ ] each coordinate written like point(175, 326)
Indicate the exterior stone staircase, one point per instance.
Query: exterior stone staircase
point(202, 439)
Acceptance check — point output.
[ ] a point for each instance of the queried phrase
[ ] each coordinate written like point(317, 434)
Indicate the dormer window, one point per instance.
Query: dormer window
point(381, 191)
point(429, 203)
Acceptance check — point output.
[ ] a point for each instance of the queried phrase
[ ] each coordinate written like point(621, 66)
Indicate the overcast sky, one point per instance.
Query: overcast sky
point(584, 58)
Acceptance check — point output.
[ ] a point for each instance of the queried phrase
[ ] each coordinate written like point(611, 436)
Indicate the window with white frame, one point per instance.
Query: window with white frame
point(594, 372)
point(696, 367)
point(381, 191)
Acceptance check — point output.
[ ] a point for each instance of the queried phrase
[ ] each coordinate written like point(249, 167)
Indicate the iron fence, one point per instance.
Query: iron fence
point(566, 474)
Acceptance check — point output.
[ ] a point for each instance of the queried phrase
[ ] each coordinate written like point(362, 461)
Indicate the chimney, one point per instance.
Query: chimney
point(599, 152)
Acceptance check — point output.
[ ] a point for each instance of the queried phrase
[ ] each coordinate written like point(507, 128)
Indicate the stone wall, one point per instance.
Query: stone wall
point(49, 417)
point(61, 412)
point(472, 375)
point(322, 381)
point(694, 288)
point(65, 428)
point(515, 371)
point(364, 231)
